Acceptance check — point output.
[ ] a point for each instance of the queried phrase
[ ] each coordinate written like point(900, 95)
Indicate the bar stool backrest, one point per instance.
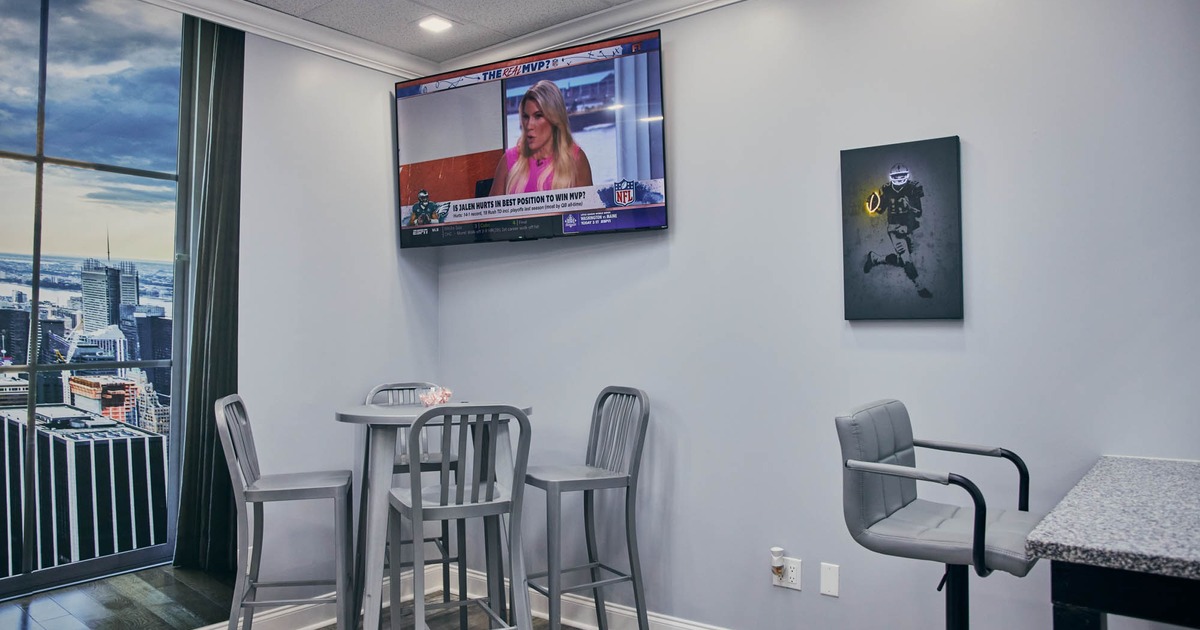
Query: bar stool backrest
point(401, 394)
point(879, 432)
point(237, 440)
point(470, 435)
point(618, 430)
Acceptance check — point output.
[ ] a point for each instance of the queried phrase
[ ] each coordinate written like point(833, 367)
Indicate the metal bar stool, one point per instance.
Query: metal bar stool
point(487, 485)
point(409, 394)
point(614, 454)
point(252, 488)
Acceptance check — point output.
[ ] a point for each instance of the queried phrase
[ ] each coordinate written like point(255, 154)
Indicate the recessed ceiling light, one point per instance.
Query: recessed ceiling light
point(435, 24)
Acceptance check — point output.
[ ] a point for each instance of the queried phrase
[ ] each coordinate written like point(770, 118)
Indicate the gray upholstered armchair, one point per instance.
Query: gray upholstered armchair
point(883, 513)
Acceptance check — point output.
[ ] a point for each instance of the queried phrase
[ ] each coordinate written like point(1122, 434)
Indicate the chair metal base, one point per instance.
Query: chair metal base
point(958, 615)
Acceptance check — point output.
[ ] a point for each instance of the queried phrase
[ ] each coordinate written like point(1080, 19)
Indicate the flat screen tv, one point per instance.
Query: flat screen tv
point(561, 143)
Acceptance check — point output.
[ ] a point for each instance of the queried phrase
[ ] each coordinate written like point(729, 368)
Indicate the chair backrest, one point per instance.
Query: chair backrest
point(233, 425)
point(618, 432)
point(470, 434)
point(401, 394)
point(876, 432)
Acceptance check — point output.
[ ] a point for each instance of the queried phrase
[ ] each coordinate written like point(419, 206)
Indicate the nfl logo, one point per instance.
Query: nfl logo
point(623, 192)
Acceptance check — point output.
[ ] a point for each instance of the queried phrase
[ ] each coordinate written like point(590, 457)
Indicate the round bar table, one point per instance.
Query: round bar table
point(382, 422)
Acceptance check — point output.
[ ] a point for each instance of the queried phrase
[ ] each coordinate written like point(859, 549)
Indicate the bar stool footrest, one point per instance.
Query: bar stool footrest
point(620, 577)
point(324, 599)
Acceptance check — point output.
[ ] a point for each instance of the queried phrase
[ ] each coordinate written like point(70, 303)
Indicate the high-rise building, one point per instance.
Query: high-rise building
point(14, 391)
point(104, 290)
point(112, 341)
point(108, 396)
point(129, 284)
point(14, 334)
point(101, 487)
point(101, 288)
point(153, 415)
point(154, 341)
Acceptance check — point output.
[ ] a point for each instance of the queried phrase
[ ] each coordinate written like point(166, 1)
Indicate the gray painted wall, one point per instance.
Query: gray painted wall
point(328, 306)
point(1079, 141)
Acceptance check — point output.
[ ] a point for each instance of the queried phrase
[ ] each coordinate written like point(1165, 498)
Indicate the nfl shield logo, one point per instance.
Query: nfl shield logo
point(623, 192)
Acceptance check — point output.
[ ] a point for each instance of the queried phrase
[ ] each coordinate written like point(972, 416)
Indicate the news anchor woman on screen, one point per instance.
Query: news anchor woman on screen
point(545, 157)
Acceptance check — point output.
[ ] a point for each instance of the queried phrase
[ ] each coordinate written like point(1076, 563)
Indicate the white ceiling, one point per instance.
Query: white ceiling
point(478, 24)
point(383, 34)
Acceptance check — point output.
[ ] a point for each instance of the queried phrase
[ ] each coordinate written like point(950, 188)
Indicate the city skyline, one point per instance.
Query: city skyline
point(112, 97)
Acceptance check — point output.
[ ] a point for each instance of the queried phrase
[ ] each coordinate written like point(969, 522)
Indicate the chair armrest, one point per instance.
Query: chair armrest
point(899, 471)
point(988, 451)
point(980, 529)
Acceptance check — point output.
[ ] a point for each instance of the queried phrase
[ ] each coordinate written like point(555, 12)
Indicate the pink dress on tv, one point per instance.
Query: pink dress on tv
point(535, 171)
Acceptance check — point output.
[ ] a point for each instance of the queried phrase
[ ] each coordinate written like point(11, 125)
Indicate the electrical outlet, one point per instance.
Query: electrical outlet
point(791, 574)
point(829, 579)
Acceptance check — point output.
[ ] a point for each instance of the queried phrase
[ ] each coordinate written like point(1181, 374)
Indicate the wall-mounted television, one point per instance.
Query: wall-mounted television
point(561, 143)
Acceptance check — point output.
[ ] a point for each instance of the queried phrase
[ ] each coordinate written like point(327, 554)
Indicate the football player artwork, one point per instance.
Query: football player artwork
point(902, 231)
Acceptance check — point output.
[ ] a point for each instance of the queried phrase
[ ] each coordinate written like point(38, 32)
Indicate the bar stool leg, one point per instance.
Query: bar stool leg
point(255, 563)
point(395, 532)
point(554, 555)
point(341, 530)
point(445, 550)
point(243, 561)
point(589, 522)
point(520, 613)
point(418, 579)
point(461, 553)
point(635, 563)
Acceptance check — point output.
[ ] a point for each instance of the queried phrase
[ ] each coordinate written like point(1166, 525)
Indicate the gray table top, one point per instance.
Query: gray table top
point(1131, 513)
point(398, 415)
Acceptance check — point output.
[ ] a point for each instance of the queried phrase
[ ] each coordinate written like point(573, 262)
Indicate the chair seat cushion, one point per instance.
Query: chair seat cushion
point(577, 477)
point(927, 530)
point(301, 485)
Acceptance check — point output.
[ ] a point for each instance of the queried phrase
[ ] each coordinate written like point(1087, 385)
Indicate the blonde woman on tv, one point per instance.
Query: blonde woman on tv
point(545, 157)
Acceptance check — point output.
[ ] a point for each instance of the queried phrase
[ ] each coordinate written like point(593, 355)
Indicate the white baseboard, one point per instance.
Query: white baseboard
point(577, 611)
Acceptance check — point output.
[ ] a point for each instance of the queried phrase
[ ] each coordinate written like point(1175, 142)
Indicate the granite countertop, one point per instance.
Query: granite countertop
point(1129, 513)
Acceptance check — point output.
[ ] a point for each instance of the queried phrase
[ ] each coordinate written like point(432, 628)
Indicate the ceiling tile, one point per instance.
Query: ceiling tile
point(291, 7)
point(517, 17)
point(392, 23)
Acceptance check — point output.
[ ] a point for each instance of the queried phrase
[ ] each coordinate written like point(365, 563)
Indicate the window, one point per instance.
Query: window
point(89, 119)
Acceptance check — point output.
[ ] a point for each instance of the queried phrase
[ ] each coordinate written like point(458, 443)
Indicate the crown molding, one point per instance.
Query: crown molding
point(613, 22)
point(289, 29)
point(281, 27)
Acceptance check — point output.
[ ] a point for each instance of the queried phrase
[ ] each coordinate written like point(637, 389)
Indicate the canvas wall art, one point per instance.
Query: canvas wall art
point(902, 231)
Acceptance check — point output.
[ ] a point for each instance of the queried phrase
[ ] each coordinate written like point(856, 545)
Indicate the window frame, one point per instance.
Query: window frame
point(30, 580)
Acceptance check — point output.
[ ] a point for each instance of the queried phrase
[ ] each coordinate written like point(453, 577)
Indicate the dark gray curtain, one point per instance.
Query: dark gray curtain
point(211, 163)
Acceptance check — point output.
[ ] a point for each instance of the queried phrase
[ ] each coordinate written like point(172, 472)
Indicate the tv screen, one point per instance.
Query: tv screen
point(561, 143)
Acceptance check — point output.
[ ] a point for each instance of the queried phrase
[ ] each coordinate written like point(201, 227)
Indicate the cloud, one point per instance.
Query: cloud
point(72, 71)
point(112, 84)
point(81, 206)
point(142, 199)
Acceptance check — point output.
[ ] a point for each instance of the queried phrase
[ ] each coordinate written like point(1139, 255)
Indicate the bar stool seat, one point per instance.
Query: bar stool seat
point(570, 478)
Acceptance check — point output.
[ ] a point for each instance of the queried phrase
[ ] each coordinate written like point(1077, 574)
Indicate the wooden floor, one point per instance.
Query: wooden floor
point(164, 598)
point(160, 598)
point(449, 619)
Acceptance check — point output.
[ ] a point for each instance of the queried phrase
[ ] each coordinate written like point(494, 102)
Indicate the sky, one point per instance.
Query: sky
point(112, 98)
